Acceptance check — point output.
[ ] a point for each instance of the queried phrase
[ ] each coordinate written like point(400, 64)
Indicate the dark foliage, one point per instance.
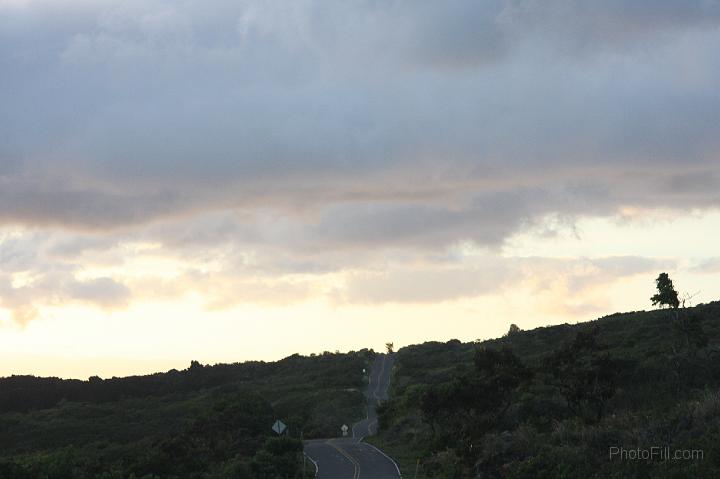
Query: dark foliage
point(206, 422)
point(584, 375)
point(666, 295)
point(550, 402)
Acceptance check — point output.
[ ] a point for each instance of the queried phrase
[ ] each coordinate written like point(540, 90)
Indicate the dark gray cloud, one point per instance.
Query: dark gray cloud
point(363, 124)
point(594, 25)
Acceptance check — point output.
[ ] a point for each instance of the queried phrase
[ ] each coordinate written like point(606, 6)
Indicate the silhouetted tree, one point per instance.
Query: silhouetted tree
point(688, 336)
point(514, 329)
point(666, 294)
point(389, 347)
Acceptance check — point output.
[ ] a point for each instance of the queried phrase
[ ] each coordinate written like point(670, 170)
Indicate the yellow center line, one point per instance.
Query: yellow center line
point(354, 462)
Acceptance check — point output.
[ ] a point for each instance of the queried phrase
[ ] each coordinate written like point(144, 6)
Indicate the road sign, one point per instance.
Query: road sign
point(279, 427)
point(344, 429)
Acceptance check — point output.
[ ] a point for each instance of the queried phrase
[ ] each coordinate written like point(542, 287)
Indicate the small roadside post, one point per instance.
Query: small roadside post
point(344, 430)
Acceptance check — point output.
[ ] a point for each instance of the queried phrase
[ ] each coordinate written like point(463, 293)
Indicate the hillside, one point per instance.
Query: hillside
point(552, 402)
point(202, 422)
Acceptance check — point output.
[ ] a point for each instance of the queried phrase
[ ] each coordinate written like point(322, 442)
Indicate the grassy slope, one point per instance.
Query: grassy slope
point(643, 410)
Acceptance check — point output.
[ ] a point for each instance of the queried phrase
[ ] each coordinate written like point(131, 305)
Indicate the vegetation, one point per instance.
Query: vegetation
point(514, 328)
point(553, 402)
point(666, 295)
point(202, 422)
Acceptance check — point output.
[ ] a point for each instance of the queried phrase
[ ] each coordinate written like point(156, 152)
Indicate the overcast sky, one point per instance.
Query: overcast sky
point(229, 180)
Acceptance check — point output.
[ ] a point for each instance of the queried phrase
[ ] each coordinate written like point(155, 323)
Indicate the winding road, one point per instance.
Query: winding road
point(350, 457)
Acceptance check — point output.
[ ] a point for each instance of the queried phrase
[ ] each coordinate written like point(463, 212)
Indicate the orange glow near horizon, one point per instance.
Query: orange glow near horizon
point(150, 334)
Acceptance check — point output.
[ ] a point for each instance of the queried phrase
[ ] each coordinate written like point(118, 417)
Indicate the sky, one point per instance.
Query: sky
point(231, 180)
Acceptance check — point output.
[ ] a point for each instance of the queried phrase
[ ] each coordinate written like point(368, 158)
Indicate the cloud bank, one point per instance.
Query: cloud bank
point(320, 136)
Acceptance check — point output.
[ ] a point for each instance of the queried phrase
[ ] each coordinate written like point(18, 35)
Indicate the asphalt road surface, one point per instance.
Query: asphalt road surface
point(349, 457)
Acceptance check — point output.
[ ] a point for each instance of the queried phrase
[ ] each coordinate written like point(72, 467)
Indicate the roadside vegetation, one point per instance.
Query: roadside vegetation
point(563, 401)
point(203, 422)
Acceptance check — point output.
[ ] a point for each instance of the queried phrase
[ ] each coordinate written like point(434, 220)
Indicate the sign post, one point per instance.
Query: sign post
point(344, 430)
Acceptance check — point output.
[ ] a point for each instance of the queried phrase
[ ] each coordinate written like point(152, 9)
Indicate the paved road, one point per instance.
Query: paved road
point(350, 458)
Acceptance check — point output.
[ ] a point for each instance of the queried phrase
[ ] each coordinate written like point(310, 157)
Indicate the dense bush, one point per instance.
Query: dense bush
point(549, 403)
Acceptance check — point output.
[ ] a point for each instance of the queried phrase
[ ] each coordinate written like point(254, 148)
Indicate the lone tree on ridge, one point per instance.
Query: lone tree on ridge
point(666, 294)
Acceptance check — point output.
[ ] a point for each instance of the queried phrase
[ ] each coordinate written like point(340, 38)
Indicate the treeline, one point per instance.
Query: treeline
point(553, 401)
point(25, 393)
point(205, 422)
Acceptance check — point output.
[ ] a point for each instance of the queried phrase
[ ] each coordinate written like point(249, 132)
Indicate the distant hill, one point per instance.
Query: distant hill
point(553, 402)
point(202, 422)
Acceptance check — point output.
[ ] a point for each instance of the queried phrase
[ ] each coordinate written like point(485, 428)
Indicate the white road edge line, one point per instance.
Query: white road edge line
point(317, 469)
point(390, 458)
